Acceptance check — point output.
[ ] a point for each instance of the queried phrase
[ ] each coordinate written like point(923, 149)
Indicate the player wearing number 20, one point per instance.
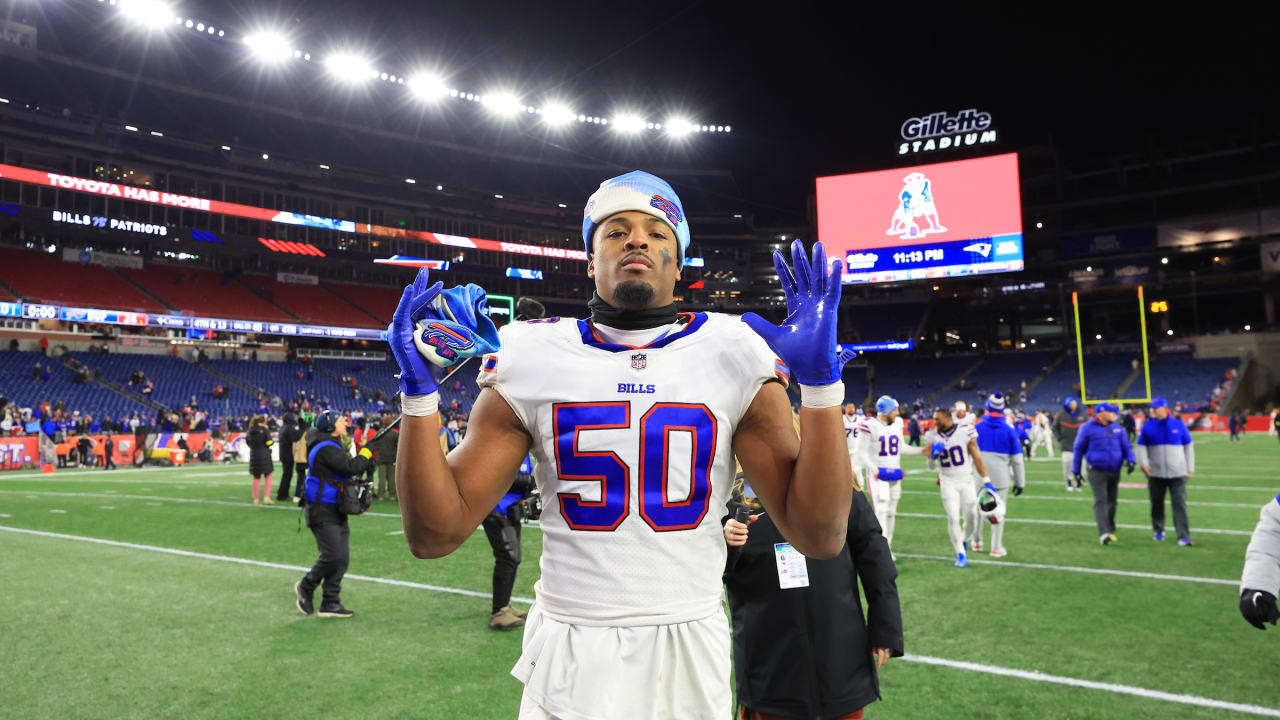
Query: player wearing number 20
point(953, 448)
point(880, 438)
point(634, 417)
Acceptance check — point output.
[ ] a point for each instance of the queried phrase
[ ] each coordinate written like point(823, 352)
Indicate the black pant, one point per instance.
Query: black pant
point(301, 484)
point(1105, 485)
point(503, 532)
point(286, 475)
point(332, 540)
point(107, 462)
point(1177, 488)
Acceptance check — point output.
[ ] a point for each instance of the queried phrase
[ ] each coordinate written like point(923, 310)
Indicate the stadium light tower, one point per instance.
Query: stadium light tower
point(427, 86)
point(151, 14)
point(503, 103)
point(628, 124)
point(270, 47)
point(349, 67)
point(558, 114)
point(678, 127)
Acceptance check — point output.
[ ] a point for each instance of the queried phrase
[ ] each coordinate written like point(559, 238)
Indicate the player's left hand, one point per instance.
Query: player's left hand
point(882, 656)
point(806, 340)
point(1258, 607)
point(1128, 467)
point(1017, 491)
point(433, 331)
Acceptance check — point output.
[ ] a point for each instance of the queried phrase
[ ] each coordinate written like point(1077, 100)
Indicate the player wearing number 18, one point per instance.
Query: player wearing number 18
point(634, 417)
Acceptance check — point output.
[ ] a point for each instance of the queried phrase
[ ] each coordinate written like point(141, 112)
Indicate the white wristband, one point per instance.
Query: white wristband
point(419, 405)
point(822, 396)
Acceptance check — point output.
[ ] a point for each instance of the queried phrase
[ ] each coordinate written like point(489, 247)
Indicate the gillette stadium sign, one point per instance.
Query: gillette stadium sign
point(940, 131)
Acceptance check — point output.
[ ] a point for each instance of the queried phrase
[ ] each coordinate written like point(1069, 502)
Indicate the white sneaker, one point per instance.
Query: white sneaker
point(999, 553)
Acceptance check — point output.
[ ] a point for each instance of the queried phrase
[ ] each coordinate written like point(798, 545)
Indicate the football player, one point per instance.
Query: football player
point(1002, 449)
point(634, 417)
point(851, 422)
point(880, 439)
point(955, 448)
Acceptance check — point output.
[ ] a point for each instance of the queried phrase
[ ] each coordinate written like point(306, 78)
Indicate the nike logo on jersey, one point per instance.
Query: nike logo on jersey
point(636, 389)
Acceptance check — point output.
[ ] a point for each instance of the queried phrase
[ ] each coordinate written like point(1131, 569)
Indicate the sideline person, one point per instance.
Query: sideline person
point(1168, 459)
point(260, 465)
point(1103, 443)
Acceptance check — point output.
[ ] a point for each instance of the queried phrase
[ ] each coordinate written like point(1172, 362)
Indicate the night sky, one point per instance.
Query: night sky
point(817, 91)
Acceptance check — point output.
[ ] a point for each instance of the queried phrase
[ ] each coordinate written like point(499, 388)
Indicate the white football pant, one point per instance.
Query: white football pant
point(961, 504)
point(884, 500)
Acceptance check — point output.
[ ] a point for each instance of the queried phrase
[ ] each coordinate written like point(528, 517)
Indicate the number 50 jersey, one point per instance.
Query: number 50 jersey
point(634, 460)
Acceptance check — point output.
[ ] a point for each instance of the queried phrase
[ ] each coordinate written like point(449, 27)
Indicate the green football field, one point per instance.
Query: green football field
point(165, 593)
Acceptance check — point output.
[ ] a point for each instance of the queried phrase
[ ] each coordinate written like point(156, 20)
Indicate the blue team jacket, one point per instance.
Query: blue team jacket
point(1165, 445)
point(1105, 447)
point(995, 435)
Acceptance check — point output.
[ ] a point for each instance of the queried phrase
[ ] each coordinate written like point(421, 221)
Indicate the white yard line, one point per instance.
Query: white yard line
point(1071, 568)
point(1081, 523)
point(1034, 676)
point(258, 563)
point(1030, 675)
point(196, 501)
point(1085, 498)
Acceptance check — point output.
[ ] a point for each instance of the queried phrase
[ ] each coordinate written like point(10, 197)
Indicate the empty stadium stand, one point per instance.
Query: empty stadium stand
point(88, 398)
point(1002, 372)
point(311, 303)
point(204, 292)
point(378, 302)
point(41, 277)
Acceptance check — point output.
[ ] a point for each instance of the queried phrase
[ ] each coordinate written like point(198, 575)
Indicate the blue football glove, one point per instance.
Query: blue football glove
point(938, 450)
point(434, 331)
point(806, 340)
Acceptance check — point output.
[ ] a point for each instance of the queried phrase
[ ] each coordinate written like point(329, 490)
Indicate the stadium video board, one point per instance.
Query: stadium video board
point(949, 219)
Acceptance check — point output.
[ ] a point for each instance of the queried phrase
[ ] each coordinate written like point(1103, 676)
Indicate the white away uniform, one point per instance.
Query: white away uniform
point(851, 423)
point(881, 449)
point(635, 463)
point(1040, 435)
point(955, 481)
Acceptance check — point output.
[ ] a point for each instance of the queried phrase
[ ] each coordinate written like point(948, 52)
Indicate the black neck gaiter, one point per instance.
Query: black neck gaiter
point(623, 319)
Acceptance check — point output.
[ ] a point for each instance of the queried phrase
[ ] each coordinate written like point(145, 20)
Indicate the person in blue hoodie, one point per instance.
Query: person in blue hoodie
point(1103, 443)
point(1168, 459)
point(1001, 447)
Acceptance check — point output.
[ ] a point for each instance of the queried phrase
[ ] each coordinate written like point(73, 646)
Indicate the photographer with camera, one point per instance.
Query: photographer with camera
point(502, 527)
point(333, 490)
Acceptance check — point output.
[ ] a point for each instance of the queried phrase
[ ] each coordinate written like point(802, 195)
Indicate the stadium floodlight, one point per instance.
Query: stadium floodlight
point(270, 47)
point(679, 127)
point(503, 103)
point(146, 13)
point(629, 124)
point(557, 114)
point(349, 67)
point(427, 86)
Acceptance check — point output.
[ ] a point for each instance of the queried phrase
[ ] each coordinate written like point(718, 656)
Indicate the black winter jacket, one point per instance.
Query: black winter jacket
point(806, 652)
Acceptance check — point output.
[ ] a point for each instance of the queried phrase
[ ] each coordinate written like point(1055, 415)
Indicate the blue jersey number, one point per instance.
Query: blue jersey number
point(954, 457)
point(656, 427)
point(889, 445)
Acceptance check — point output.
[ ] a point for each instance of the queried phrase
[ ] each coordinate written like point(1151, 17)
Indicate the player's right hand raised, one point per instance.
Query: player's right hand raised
point(806, 340)
point(434, 331)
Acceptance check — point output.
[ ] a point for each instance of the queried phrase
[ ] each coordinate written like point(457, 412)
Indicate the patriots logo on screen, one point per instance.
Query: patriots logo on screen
point(983, 249)
point(639, 361)
point(915, 200)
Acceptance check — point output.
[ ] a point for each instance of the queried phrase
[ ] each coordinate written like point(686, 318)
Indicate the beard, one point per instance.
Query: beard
point(633, 294)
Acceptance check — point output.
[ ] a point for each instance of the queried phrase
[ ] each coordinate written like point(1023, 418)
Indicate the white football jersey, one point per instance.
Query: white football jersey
point(851, 423)
point(634, 451)
point(957, 463)
point(969, 419)
point(883, 445)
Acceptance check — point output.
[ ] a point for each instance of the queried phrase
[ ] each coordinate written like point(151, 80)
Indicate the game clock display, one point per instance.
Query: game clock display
point(928, 221)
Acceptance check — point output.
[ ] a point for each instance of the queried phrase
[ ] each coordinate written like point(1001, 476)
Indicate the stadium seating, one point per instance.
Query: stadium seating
point(1182, 377)
point(207, 293)
point(41, 277)
point(461, 387)
point(909, 379)
point(88, 398)
point(175, 380)
point(313, 304)
point(1102, 375)
point(380, 302)
point(1003, 373)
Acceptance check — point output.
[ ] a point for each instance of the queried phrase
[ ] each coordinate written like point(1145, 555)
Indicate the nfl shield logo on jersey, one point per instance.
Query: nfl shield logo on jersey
point(638, 361)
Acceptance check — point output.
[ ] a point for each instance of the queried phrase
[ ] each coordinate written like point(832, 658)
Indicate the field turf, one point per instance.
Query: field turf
point(188, 610)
